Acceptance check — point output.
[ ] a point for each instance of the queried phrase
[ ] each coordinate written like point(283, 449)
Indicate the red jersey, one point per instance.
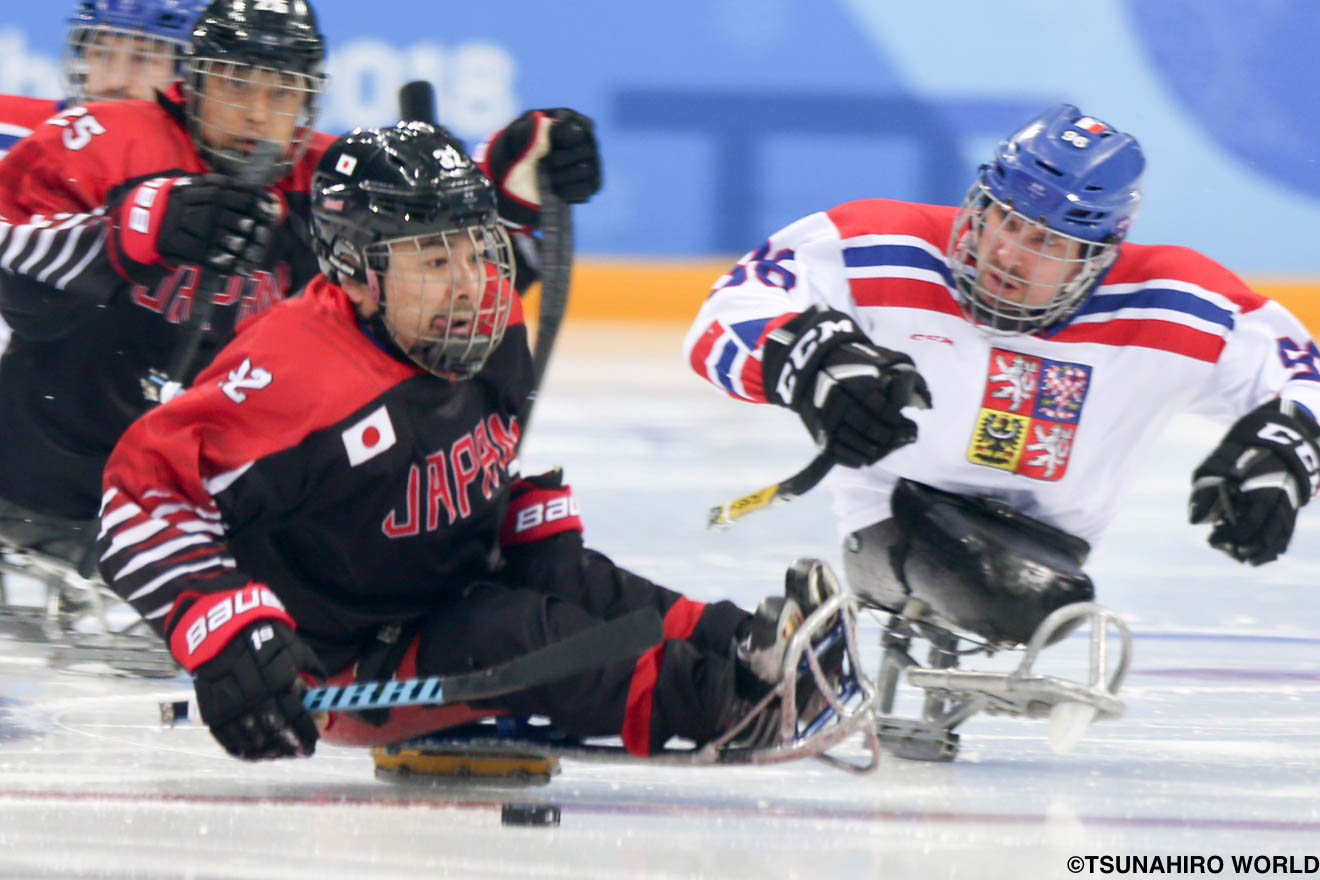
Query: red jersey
point(84, 339)
point(19, 115)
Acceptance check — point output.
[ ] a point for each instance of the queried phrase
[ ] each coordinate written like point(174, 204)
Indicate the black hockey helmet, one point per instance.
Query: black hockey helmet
point(239, 38)
point(383, 198)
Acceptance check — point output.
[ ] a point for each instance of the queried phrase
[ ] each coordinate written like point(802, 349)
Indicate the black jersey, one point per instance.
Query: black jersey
point(308, 458)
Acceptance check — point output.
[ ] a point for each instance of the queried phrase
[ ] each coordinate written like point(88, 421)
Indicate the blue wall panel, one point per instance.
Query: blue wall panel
point(722, 120)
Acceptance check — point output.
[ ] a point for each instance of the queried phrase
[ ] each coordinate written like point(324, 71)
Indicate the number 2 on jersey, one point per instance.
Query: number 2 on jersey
point(246, 377)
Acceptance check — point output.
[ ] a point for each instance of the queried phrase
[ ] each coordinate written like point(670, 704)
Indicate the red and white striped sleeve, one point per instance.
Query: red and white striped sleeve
point(163, 533)
point(764, 290)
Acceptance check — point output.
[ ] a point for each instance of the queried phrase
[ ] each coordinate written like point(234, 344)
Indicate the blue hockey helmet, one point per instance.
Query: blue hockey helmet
point(1072, 179)
point(164, 29)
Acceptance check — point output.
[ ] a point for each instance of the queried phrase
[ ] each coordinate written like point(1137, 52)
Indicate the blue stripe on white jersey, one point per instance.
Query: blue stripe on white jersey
point(750, 331)
point(895, 256)
point(724, 366)
point(1160, 299)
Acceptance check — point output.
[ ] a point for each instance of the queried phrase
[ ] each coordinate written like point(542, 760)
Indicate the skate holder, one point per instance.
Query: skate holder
point(847, 710)
point(849, 706)
point(953, 695)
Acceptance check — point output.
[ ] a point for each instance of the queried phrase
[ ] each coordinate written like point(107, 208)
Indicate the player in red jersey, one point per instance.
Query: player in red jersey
point(352, 453)
point(139, 232)
point(116, 49)
point(116, 215)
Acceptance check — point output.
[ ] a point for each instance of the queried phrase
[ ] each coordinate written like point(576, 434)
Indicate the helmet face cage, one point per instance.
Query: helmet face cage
point(445, 297)
point(106, 63)
point(1000, 258)
point(230, 105)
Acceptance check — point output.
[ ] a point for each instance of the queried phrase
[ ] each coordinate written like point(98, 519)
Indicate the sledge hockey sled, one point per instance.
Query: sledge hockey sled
point(512, 751)
point(72, 622)
point(952, 694)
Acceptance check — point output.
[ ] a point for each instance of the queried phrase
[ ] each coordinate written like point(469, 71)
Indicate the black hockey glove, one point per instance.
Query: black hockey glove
point(208, 220)
point(561, 139)
point(849, 392)
point(250, 670)
point(1250, 487)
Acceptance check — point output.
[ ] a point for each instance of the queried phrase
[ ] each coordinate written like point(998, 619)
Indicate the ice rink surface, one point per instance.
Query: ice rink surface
point(1218, 755)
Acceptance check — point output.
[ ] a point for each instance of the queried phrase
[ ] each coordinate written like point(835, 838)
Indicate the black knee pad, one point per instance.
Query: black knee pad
point(976, 563)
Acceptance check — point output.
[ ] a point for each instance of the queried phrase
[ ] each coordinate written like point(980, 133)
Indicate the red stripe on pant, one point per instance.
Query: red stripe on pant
point(680, 621)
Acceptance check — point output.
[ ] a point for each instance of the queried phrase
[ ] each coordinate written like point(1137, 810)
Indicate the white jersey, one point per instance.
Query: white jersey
point(1055, 424)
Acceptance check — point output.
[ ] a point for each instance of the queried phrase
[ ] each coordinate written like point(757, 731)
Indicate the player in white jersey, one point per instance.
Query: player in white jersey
point(1048, 355)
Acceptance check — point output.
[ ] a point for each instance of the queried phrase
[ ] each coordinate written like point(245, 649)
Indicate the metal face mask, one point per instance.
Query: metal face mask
point(445, 297)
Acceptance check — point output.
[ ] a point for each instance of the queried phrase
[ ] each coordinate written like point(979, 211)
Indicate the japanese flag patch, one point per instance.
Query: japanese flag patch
point(1029, 414)
point(369, 437)
point(346, 165)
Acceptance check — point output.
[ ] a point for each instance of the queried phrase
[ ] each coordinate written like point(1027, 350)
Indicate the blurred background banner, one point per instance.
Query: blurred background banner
point(723, 120)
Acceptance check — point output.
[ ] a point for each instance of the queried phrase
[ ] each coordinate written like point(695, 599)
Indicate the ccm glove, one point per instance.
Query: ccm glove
point(207, 220)
point(562, 140)
point(1250, 487)
point(849, 392)
point(250, 670)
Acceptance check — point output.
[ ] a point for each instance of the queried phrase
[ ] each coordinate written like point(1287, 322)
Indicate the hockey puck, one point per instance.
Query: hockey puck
point(529, 814)
point(174, 712)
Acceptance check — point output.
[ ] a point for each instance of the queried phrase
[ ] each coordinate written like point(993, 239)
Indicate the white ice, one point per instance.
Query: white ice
point(1218, 754)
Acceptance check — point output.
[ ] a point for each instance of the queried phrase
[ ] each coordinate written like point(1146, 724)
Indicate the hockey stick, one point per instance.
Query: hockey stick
point(417, 102)
point(254, 171)
point(556, 276)
point(619, 639)
point(805, 480)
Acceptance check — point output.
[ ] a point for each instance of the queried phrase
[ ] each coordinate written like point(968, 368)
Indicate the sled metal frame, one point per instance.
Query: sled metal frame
point(71, 622)
point(849, 710)
point(953, 695)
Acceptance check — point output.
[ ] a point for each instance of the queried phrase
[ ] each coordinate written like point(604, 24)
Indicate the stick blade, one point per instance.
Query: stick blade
point(724, 515)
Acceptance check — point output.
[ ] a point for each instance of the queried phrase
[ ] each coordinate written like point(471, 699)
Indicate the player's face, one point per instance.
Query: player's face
point(121, 65)
point(435, 285)
point(1023, 262)
point(447, 298)
point(241, 105)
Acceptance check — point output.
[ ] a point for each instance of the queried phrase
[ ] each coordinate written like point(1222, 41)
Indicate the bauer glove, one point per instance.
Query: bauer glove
point(541, 538)
point(208, 220)
point(250, 670)
point(849, 392)
point(539, 506)
point(563, 141)
point(1250, 487)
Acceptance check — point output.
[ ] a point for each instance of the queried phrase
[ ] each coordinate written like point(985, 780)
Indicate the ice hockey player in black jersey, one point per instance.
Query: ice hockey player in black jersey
point(138, 231)
point(325, 499)
point(134, 241)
